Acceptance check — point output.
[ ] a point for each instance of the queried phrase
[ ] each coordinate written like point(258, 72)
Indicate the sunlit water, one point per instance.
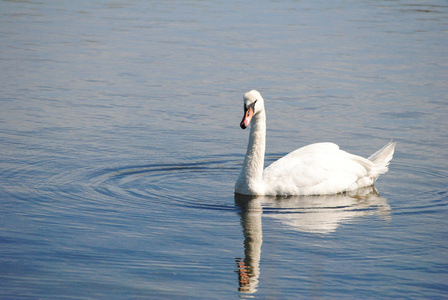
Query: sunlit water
point(120, 147)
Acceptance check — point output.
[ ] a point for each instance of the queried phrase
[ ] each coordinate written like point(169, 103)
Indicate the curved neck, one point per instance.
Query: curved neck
point(251, 175)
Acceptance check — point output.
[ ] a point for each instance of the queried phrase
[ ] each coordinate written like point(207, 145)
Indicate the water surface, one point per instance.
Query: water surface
point(120, 147)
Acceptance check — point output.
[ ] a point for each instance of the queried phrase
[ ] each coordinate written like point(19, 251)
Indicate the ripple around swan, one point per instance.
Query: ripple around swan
point(430, 188)
point(196, 184)
point(208, 184)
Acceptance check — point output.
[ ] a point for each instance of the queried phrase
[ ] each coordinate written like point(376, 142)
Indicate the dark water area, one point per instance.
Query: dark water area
point(120, 147)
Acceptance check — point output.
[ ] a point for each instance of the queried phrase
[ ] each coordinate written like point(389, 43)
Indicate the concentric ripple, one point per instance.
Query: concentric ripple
point(205, 184)
point(208, 184)
point(422, 182)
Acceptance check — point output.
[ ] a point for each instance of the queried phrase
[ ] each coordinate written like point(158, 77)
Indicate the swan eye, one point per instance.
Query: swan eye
point(252, 105)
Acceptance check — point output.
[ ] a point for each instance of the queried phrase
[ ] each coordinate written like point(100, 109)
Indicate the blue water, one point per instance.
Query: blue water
point(120, 146)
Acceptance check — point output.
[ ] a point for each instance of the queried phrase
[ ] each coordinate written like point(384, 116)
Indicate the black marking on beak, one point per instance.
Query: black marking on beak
point(249, 111)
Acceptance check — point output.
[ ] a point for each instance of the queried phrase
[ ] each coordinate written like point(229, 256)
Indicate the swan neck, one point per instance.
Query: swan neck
point(252, 171)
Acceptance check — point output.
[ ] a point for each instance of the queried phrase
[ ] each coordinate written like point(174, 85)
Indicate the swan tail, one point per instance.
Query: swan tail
point(382, 158)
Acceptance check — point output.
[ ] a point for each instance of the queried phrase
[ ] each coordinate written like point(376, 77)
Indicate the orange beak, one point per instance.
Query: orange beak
point(248, 114)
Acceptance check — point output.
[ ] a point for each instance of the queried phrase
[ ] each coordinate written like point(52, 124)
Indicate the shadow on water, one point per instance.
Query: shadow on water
point(310, 214)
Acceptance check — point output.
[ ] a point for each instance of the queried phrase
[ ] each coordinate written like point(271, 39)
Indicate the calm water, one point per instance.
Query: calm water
point(120, 147)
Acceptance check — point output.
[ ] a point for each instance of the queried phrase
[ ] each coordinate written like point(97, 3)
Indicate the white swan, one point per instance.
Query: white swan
point(316, 169)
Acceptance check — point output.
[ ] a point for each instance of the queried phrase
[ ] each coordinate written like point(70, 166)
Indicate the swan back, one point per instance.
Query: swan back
point(316, 169)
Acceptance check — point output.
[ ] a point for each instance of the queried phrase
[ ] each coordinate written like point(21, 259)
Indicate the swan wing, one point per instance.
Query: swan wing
point(320, 168)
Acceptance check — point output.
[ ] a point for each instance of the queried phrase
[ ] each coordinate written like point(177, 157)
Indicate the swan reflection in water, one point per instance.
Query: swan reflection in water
point(310, 214)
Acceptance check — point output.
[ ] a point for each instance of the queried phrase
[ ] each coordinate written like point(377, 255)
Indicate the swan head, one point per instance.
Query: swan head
point(253, 104)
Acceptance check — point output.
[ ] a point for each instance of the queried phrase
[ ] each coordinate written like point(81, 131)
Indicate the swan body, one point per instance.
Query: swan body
point(316, 169)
